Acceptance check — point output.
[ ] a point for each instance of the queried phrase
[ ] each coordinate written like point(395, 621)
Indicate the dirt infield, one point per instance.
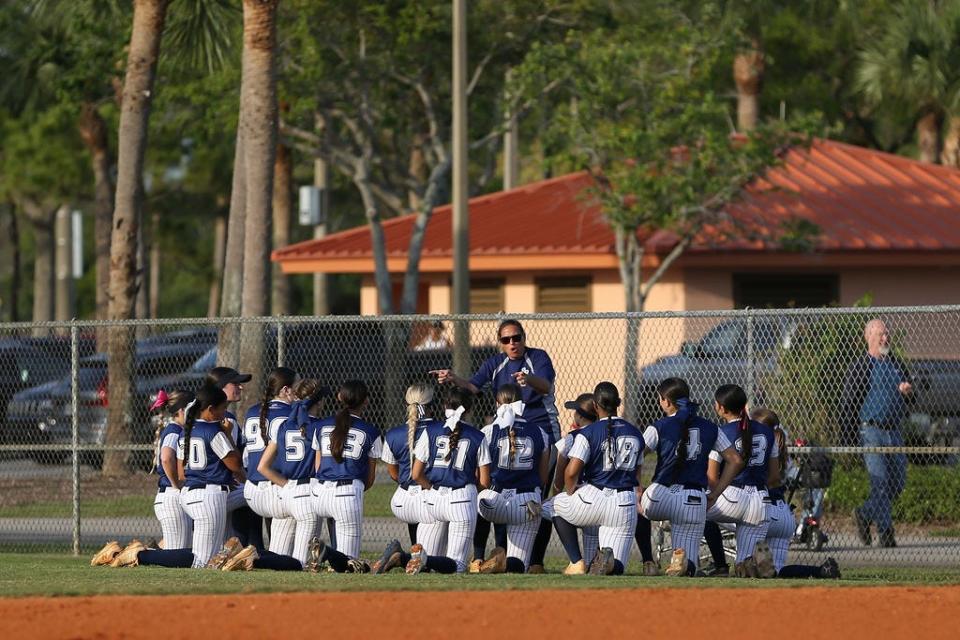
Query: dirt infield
point(817, 612)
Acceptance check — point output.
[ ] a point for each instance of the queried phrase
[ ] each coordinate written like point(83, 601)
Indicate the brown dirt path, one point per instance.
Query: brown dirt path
point(876, 613)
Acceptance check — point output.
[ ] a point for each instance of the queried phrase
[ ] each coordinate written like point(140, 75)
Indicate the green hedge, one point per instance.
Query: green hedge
point(932, 494)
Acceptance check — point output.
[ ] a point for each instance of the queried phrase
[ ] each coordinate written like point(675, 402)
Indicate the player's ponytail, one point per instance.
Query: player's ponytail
point(733, 400)
point(308, 391)
point(459, 401)
point(278, 379)
point(607, 398)
point(677, 391)
point(418, 397)
point(169, 405)
point(508, 395)
point(772, 420)
point(206, 397)
point(352, 395)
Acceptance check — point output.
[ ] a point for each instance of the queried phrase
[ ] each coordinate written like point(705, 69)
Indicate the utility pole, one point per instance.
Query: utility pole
point(461, 215)
point(321, 304)
point(511, 145)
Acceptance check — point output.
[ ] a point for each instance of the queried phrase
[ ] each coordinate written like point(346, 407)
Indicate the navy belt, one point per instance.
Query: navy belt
point(689, 486)
point(447, 486)
point(741, 485)
point(223, 487)
point(531, 489)
point(343, 483)
point(301, 481)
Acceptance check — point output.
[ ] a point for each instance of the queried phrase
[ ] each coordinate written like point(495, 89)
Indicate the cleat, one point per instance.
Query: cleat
point(474, 566)
point(536, 569)
point(128, 557)
point(764, 561)
point(496, 563)
point(106, 555)
point(418, 560)
point(243, 560)
point(602, 564)
point(747, 569)
point(578, 568)
point(153, 544)
point(650, 568)
point(863, 527)
point(355, 565)
point(230, 548)
point(383, 564)
point(315, 555)
point(678, 563)
point(830, 570)
point(723, 571)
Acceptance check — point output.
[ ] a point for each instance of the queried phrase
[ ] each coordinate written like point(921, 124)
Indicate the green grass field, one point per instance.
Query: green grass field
point(61, 575)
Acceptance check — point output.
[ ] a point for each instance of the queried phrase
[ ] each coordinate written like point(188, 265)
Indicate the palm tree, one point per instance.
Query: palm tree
point(912, 65)
point(748, 68)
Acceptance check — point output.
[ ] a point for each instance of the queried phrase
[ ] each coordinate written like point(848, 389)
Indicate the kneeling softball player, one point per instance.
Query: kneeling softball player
point(608, 453)
point(175, 526)
point(520, 452)
point(448, 460)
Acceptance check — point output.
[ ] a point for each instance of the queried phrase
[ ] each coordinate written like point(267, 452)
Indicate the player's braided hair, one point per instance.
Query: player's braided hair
point(733, 399)
point(418, 397)
point(176, 400)
point(352, 395)
point(506, 394)
point(457, 398)
point(278, 379)
point(305, 389)
point(607, 397)
point(769, 418)
point(677, 391)
point(208, 396)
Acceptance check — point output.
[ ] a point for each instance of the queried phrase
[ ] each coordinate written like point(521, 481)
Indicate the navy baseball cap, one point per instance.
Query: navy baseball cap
point(576, 405)
point(222, 376)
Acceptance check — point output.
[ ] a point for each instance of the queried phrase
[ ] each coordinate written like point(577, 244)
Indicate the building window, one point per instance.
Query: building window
point(784, 290)
point(486, 296)
point(563, 295)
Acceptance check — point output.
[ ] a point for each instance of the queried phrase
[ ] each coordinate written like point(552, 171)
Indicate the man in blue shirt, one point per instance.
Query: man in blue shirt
point(875, 393)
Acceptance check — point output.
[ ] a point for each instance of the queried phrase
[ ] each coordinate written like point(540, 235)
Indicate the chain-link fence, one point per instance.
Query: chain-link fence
point(78, 448)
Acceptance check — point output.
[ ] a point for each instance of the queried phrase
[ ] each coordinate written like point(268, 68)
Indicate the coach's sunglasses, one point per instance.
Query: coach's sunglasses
point(517, 337)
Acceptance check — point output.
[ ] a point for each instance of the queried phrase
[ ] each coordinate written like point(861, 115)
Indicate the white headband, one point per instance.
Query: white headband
point(453, 417)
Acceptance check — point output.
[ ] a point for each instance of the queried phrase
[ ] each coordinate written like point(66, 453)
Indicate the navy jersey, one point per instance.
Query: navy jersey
point(461, 469)
point(253, 441)
point(664, 437)
point(396, 450)
point(522, 470)
point(606, 465)
point(169, 439)
point(295, 458)
point(207, 447)
point(499, 369)
point(764, 449)
point(362, 443)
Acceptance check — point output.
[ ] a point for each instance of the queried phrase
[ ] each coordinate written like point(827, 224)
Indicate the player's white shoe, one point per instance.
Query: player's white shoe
point(418, 560)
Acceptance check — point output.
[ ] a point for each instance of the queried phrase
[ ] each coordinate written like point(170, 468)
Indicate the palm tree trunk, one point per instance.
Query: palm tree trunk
point(928, 137)
point(41, 221)
point(154, 290)
point(148, 21)
point(282, 213)
point(411, 280)
point(950, 156)
point(93, 132)
point(748, 68)
point(258, 97)
point(15, 273)
point(64, 303)
point(219, 250)
point(228, 344)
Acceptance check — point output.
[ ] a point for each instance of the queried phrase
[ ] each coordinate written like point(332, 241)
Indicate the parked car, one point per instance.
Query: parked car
point(43, 414)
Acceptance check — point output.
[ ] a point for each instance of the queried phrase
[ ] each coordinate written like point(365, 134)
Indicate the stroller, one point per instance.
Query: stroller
point(809, 474)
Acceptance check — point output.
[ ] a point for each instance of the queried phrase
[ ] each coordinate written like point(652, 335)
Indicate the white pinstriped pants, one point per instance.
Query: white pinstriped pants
point(510, 508)
point(686, 509)
point(343, 503)
point(456, 509)
point(782, 526)
point(264, 498)
point(746, 508)
point(297, 502)
point(615, 512)
point(590, 535)
point(175, 525)
point(408, 506)
point(208, 508)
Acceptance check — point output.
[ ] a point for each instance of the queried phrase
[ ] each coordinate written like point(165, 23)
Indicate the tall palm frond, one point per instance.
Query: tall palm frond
point(203, 33)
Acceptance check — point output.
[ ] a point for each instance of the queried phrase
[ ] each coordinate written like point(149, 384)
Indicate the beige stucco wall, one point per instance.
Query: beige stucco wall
point(901, 286)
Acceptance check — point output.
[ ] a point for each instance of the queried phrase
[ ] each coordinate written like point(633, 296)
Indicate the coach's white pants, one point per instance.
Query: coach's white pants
point(686, 509)
point(510, 508)
point(297, 502)
point(747, 508)
point(207, 506)
point(265, 500)
point(456, 509)
point(175, 525)
point(409, 506)
point(589, 535)
point(343, 503)
point(615, 512)
point(780, 533)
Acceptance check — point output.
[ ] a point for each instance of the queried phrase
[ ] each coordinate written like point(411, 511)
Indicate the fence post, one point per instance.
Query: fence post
point(751, 360)
point(281, 347)
point(75, 428)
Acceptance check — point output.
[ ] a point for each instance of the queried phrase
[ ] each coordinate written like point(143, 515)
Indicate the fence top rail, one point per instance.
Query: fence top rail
point(488, 317)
